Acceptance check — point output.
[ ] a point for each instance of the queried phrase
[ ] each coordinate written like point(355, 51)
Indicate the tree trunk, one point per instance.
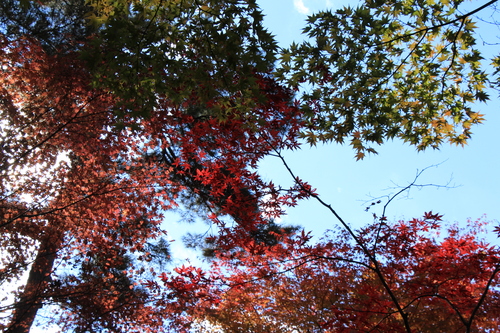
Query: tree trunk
point(31, 299)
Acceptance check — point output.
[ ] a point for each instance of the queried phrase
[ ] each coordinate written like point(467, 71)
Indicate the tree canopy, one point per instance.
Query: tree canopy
point(389, 69)
point(439, 282)
point(116, 112)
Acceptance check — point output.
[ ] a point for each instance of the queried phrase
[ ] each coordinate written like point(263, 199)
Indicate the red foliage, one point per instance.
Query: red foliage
point(106, 199)
point(93, 213)
point(434, 282)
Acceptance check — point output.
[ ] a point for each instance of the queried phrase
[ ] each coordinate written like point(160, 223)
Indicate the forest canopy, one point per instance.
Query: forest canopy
point(115, 113)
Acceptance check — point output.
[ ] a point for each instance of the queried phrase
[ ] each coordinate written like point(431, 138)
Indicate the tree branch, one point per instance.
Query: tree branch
point(425, 30)
point(376, 267)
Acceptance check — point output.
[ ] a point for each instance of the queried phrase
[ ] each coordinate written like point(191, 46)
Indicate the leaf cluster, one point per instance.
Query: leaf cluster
point(388, 69)
point(59, 26)
point(443, 282)
point(186, 51)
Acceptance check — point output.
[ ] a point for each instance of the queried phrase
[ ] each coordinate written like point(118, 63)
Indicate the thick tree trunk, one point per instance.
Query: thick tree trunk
point(31, 299)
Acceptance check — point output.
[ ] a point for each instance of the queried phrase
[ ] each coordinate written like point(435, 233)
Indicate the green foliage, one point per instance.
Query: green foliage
point(193, 81)
point(158, 252)
point(388, 69)
point(190, 52)
point(59, 26)
point(496, 65)
point(267, 234)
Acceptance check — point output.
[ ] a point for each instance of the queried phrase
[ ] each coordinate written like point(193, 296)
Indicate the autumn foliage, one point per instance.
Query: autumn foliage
point(101, 136)
point(98, 193)
point(419, 276)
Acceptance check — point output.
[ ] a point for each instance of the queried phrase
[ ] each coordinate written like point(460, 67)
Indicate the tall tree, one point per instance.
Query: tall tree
point(78, 192)
point(93, 190)
point(55, 212)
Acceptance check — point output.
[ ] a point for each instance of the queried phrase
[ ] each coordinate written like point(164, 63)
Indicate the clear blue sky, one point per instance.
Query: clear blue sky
point(346, 183)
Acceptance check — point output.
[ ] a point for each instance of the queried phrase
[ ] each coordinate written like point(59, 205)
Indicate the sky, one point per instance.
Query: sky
point(468, 177)
point(471, 172)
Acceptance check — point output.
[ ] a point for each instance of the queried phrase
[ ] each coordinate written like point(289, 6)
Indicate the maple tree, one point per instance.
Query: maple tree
point(389, 69)
point(384, 70)
point(49, 210)
point(95, 210)
point(59, 26)
point(114, 112)
point(221, 44)
point(414, 279)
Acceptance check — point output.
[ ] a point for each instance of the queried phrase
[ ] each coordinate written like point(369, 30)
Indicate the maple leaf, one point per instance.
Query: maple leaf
point(497, 230)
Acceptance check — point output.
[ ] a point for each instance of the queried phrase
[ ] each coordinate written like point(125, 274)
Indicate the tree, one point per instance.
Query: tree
point(59, 26)
point(389, 69)
point(56, 212)
point(131, 108)
point(74, 187)
point(192, 51)
point(443, 282)
point(384, 70)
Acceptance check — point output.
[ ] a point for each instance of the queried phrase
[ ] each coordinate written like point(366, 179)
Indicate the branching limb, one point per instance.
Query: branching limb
point(457, 19)
point(483, 297)
point(400, 191)
point(376, 266)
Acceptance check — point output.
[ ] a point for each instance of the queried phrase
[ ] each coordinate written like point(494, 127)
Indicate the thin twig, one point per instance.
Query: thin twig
point(459, 18)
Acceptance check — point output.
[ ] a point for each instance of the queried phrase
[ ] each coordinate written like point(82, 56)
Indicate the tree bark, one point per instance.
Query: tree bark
point(31, 299)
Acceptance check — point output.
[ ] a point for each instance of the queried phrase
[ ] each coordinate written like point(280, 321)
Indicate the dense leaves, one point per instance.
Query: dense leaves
point(389, 69)
point(115, 112)
point(442, 280)
point(62, 190)
point(80, 195)
point(59, 26)
point(181, 50)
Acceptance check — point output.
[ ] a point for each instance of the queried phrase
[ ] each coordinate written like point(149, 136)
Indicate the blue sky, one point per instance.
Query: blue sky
point(473, 170)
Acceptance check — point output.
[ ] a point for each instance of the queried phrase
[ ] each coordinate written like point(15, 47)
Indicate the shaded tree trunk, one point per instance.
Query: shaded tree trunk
point(31, 299)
